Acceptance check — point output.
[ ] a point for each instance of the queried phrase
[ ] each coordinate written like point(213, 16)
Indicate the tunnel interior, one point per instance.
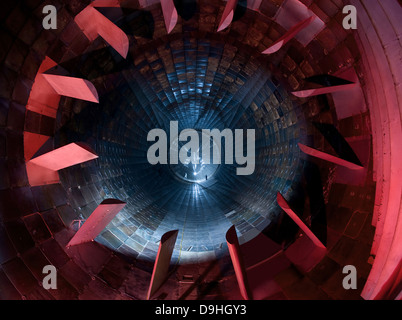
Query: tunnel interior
point(200, 79)
point(199, 94)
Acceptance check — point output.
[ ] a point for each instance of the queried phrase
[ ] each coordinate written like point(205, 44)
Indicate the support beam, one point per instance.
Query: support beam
point(238, 264)
point(47, 89)
point(324, 90)
point(72, 87)
point(162, 262)
point(327, 157)
point(289, 35)
point(227, 15)
point(170, 14)
point(39, 176)
point(97, 221)
point(285, 207)
point(95, 24)
point(66, 156)
point(42, 98)
point(43, 169)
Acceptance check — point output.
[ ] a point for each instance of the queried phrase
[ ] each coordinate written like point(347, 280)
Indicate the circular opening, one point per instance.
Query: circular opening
point(202, 82)
point(196, 165)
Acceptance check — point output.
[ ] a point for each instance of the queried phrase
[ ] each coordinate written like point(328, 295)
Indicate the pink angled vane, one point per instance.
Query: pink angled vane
point(43, 169)
point(289, 35)
point(238, 264)
point(170, 14)
point(285, 207)
point(72, 87)
point(327, 157)
point(97, 221)
point(95, 24)
point(162, 262)
point(64, 157)
point(228, 14)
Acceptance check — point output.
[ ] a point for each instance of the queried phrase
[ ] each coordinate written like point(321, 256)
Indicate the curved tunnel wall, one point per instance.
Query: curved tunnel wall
point(380, 42)
point(35, 221)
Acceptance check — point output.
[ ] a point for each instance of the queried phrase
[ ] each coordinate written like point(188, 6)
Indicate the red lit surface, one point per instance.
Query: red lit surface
point(94, 24)
point(64, 157)
point(43, 169)
point(43, 98)
point(285, 207)
point(32, 143)
point(72, 87)
point(327, 157)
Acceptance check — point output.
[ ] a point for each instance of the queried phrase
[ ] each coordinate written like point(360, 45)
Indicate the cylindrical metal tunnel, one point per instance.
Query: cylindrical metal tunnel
point(197, 78)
